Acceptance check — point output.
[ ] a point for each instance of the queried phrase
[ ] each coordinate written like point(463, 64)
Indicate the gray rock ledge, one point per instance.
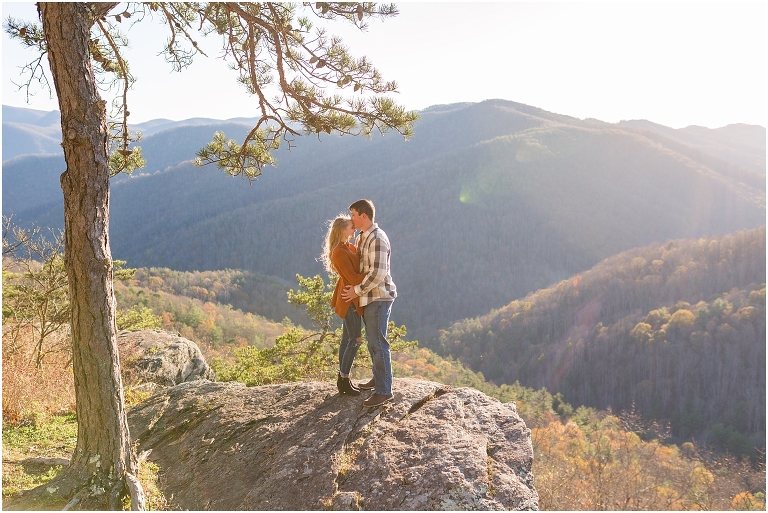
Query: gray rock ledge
point(159, 357)
point(301, 446)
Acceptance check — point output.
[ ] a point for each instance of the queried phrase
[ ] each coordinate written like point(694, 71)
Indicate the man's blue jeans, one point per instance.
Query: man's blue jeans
point(376, 315)
point(351, 330)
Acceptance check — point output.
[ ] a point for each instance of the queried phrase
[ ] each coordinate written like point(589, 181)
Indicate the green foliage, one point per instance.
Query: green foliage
point(138, 318)
point(294, 357)
point(122, 273)
point(729, 438)
point(47, 436)
point(30, 34)
point(194, 316)
point(300, 354)
point(57, 432)
point(235, 159)
point(315, 296)
point(126, 161)
point(561, 407)
point(583, 415)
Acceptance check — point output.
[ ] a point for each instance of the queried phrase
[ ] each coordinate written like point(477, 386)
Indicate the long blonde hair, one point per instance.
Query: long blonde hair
point(332, 239)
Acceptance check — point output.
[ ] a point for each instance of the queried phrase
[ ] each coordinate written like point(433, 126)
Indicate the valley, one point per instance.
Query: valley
point(532, 247)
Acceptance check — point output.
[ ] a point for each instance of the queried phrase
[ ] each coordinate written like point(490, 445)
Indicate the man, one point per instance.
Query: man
point(377, 292)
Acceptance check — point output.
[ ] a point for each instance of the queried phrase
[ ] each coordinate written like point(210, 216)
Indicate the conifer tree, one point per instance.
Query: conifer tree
point(269, 45)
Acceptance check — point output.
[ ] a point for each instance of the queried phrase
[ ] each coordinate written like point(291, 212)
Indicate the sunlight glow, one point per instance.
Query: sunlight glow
point(676, 64)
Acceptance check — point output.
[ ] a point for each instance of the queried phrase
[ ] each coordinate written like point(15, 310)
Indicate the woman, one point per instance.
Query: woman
point(340, 257)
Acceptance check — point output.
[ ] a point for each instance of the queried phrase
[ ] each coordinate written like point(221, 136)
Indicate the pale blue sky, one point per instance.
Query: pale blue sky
point(677, 64)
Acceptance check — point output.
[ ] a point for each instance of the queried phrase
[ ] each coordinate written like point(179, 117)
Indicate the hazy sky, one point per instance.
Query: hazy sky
point(677, 64)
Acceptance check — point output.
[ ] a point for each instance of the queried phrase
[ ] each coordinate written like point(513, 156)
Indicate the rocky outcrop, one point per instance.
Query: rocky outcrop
point(302, 446)
point(162, 358)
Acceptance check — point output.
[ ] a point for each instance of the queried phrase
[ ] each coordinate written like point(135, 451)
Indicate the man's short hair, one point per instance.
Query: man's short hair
point(364, 206)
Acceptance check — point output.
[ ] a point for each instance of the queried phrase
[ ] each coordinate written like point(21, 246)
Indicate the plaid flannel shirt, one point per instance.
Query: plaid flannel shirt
point(373, 251)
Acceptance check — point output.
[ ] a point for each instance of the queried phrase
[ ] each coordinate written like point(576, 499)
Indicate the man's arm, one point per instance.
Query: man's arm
point(378, 257)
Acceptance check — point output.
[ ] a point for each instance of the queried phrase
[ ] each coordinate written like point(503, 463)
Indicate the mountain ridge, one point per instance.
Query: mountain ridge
point(741, 143)
point(513, 198)
point(49, 120)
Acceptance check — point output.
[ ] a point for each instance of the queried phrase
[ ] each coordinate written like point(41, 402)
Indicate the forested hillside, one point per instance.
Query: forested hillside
point(486, 203)
point(216, 327)
point(584, 459)
point(678, 329)
point(241, 290)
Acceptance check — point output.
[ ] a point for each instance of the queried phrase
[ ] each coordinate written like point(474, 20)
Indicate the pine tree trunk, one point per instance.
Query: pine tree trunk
point(102, 458)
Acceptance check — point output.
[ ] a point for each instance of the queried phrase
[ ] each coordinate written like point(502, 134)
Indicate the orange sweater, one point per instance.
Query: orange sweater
point(346, 262)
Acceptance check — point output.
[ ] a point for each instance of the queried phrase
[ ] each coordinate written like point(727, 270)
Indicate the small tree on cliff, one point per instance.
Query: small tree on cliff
point(269, 45)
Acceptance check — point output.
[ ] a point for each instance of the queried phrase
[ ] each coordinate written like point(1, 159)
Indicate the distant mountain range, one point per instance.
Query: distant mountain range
point(30, 131)
point(486, 203)
point(743, 145)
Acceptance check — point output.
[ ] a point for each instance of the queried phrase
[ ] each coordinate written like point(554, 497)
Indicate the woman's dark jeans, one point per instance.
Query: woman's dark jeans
point(351, 332)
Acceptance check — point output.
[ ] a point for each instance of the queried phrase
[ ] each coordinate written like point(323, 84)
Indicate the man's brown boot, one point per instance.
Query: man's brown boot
point(377, 400)
point(367, 386)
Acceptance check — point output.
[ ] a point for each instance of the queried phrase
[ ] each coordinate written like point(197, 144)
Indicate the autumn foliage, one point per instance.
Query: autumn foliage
point(584, 459)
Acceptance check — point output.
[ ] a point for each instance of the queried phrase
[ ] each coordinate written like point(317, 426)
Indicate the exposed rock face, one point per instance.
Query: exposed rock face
point(302, 446)
point(160, 357)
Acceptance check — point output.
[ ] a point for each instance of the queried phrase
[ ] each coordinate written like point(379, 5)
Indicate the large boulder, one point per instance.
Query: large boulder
point(302, 446)
point(162, 358)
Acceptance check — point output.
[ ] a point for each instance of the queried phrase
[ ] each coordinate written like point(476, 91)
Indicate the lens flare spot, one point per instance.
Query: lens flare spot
point(467, 195)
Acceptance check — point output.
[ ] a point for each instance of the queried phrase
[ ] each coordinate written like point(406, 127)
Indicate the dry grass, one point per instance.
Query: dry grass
point(39, 421)
point(30, 393)
point(38, 411)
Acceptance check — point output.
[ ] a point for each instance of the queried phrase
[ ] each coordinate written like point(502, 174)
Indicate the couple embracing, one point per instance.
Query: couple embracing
point(365, 292)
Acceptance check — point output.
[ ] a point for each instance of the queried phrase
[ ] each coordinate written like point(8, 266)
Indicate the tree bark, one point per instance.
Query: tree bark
point(103, 455)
